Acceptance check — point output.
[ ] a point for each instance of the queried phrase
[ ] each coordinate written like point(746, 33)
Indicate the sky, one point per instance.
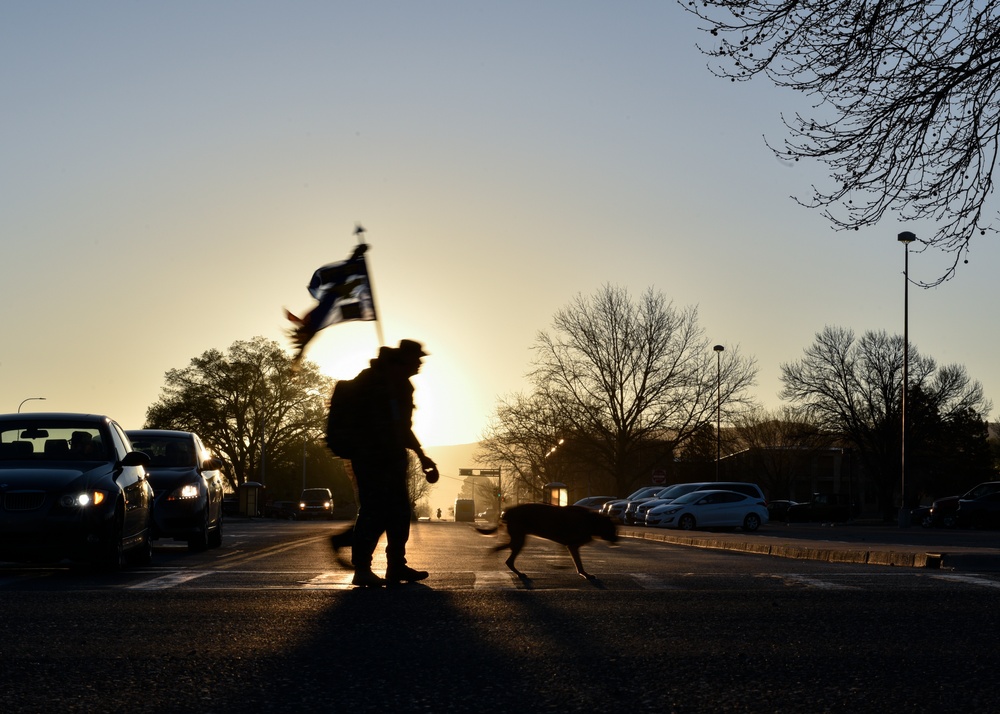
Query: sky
point(172, 173)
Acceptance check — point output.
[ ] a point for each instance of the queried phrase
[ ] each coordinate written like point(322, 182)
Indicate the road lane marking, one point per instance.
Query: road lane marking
point(970, 579)
point(652, 582)
point(813, 582)
point(492, 580)
point(171, 580)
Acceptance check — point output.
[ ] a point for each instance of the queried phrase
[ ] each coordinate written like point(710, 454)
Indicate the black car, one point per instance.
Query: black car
point(824, 507)
point(187, 484)
point(72, 487)
point(778, 510)
point(943, 510)
point(981, 512)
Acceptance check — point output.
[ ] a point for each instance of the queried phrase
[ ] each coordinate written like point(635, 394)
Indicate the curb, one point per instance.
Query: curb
point(902, 558)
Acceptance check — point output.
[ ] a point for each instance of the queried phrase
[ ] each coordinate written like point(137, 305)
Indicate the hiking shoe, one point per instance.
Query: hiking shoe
point(367, 579)
point(403, 573)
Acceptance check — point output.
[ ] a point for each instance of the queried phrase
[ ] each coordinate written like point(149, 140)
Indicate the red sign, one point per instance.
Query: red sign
point(659, 477)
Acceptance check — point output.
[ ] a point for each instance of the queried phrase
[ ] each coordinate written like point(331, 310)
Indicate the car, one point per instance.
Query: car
point(187, 486)
point(712, 509)
point(593, 503)
point(615, 510)
point(72, 487)
point(315, 503)
point(822, 508)
point(668, 494)
point(921, 515)
point(778, 510)
point(980, 512)
point(943, 510)
point(663, 496)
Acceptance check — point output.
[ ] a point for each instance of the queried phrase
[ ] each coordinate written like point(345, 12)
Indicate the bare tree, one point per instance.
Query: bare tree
point(853, 388)
point(630, 381)
point(519, 439)
point(246, 403)
point(905, 109)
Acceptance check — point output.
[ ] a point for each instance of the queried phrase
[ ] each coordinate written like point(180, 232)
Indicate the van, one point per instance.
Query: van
point(315, 503)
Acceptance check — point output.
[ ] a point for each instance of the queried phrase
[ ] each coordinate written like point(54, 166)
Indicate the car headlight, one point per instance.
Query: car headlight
point(82, 499)
point(184, 493)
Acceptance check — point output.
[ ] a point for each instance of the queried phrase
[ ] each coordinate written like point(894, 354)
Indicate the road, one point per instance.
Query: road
point(268, 623)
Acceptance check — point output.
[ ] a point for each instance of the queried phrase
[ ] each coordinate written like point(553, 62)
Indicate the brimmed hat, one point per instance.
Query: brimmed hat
point(411, 348)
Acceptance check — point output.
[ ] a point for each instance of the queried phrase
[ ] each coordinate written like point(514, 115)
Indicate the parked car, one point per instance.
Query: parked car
point(72, 487)
point(980, 512)
point(750, 489)
point(593, 503)
point(316, 503)
point(664, 496)
point(943, 509)
point(616, 509)
point(823, 508)
point(778, 510)
point(187, 486)
point(706, 509)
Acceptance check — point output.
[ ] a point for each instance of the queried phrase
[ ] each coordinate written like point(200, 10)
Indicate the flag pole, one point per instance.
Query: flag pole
point(359, 231)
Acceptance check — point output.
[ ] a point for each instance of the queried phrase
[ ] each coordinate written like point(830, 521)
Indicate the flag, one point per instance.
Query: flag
point(343, 292)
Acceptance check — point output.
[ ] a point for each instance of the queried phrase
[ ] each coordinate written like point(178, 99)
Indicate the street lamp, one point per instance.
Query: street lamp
point(905, 238)
point(718, 408)
point(27, 400)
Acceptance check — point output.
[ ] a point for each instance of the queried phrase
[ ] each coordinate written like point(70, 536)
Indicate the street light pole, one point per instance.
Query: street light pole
point(718, 408)
point(905, 238)
point(29, 399)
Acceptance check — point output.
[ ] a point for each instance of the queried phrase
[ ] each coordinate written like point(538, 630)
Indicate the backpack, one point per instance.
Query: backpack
point(342, 429)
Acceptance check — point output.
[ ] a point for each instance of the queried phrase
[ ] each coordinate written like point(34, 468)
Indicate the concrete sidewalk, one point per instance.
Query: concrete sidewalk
point(869, 544)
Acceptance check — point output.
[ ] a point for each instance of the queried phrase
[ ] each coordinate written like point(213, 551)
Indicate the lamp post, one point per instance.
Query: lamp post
point(718, 408)
point(28, 400)
point(905, 238)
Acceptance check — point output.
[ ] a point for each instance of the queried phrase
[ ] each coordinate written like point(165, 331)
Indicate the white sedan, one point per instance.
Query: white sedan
point(706, 509)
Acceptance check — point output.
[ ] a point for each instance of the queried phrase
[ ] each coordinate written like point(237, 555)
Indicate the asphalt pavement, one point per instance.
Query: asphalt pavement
point(865, 542)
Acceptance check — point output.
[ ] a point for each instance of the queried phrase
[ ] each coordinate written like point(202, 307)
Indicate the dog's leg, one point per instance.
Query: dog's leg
point(516, 543)
point(574, 550)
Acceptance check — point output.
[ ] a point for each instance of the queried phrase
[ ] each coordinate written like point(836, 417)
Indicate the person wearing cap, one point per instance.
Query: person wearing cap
point(381, 464)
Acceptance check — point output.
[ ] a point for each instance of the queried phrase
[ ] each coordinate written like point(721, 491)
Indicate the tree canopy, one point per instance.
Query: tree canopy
point(623, 383)
point(249, 405)
point(853, 388)
point(905, 102)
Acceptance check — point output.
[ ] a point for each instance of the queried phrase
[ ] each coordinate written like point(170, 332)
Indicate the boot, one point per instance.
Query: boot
point(394, 575)
point(365, 578)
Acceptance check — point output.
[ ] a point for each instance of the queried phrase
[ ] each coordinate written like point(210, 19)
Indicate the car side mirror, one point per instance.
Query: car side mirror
point(135, 458)
point(211, 464)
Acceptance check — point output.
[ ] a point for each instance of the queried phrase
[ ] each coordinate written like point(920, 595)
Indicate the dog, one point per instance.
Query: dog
point(572, 526)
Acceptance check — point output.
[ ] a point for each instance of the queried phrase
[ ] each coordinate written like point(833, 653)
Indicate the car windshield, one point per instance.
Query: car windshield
point(52, 441)
point(166, 450)
point(690, 497)
point(677, 490)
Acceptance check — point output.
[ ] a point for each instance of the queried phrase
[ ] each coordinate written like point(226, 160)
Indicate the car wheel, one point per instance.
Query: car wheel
point(142, 555)
point(110, 554)
point(751, 522)
point(199, 541)
point(215, 537)
point(927, 521)
point(949, 521)
point(686, 522)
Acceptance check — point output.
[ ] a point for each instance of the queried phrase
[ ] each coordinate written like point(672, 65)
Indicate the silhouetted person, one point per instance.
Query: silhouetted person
point(381, 463)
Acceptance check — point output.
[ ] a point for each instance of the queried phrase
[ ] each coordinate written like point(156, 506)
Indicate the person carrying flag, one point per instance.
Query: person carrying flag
point(383, 421)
